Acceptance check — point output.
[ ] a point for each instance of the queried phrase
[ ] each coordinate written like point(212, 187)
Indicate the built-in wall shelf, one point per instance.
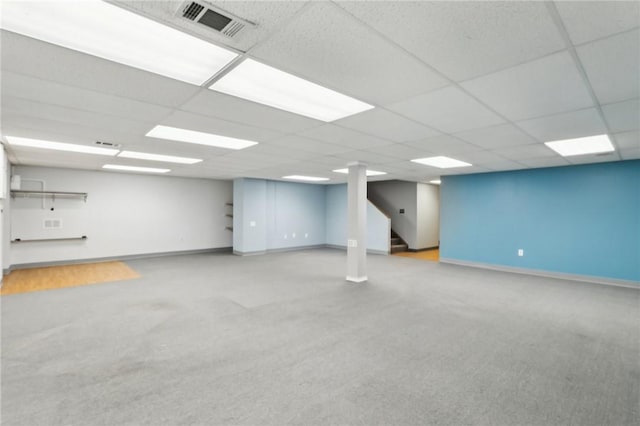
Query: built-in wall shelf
point(230, 215)
point(20, 240)
point(52, 194)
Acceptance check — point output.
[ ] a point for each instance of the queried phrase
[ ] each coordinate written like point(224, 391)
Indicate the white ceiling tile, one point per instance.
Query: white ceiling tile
point(343, 137)
point(231, 108)
point(12, 107)
point(387, 125)
point(201, 123)
point(502, 135)
point(464, 39)
point(328, 47)
point(628, 140)
point(448, 110)
point(574, 124)
point(613, 66)
point(544, 162)
point(367, 157)
point(525, 152)
point(623, 116)
point(592, 158)
point(34, 58)
point(630, 154)
point(542, 87)
point(500, 165)
point(401, 151)
point(282, 151)
point(310, 145)
point(480, 157)
point(47, 92)
point(443, 145)
point(589, 20)
point(37, 128)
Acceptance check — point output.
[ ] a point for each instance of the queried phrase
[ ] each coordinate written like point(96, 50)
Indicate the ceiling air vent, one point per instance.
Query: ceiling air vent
point(215, 18)
point(109, 144)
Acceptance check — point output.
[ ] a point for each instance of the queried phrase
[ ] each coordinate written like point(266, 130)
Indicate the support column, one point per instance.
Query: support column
point(357, 214)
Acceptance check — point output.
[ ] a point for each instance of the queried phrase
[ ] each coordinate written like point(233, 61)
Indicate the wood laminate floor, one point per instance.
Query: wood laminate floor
point(432, 255)
point(53, 277)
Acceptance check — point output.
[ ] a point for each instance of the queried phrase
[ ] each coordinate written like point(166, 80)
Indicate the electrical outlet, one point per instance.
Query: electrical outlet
point(252, 223)
point(285, 236)
point(293, 235)
point(306, 235)
point(520, 252)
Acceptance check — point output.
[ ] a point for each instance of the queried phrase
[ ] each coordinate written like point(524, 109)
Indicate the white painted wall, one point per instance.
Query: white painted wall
point(428, 231)
point(390, 197)
point(129, 214)
point(4, 191)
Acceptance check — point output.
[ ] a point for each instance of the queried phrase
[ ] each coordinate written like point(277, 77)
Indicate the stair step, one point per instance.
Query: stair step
point(396, 248)
point(396, 240)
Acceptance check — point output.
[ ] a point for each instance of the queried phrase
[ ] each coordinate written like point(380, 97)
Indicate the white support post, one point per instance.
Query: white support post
point(357, 214)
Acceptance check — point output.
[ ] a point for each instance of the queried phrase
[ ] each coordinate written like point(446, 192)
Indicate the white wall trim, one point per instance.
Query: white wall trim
point(547, 274)
point(110, 258)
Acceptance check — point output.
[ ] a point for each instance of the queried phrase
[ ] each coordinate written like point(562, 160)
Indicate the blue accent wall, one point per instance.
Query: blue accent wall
point(582, 220)
point(271, 215)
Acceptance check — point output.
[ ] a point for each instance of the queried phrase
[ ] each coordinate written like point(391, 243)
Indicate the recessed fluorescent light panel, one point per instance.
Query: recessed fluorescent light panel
point(369, 172)
point(441, 162)
point(201, 138)
point(110, 32)
point(59, 146)
point(435, 181)
point(158, 157)
point(135, 169)
point(581, 146)
point(306, 178)
point(266, 85)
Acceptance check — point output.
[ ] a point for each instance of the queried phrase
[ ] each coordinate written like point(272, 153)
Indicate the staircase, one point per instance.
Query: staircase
point(397, 243)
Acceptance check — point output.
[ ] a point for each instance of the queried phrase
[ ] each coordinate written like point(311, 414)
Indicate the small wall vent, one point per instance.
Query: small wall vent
point(52, 224)
point(213, 17)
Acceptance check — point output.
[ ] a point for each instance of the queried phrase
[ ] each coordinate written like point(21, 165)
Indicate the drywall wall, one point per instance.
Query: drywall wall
point(428, 215)
point(391, 197)
point(4, 222)
point(378, 224)
point(127, 214)
point(273, 215)
point(579, 220)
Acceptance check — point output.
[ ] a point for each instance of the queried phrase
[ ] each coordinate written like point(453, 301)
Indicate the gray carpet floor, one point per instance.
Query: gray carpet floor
point(216, 339)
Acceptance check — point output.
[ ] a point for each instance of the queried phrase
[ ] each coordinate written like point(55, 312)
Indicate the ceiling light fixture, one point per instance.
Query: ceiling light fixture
point(369, 172)
point(111, 32)
point(59, 146)
point(266, 85)
point(435, 181)
point(441, 162)
point(158, 157)
point(581, 146)
point(201, 138)
point(135, 169)
point(306, 178)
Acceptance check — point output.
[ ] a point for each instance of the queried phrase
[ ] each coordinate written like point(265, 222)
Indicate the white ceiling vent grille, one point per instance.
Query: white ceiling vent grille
point(213, 17)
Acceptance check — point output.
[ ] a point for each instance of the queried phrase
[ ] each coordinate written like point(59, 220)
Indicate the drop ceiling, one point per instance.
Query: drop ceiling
point(482, 82)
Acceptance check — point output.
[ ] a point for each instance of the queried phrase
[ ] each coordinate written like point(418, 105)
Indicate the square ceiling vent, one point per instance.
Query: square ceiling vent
point(213, 17)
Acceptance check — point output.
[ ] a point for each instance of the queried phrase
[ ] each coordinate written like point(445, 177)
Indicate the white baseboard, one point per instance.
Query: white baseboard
point(547, 274)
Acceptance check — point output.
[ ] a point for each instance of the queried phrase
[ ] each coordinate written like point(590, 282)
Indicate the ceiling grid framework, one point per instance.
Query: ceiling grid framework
point(452, 98)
